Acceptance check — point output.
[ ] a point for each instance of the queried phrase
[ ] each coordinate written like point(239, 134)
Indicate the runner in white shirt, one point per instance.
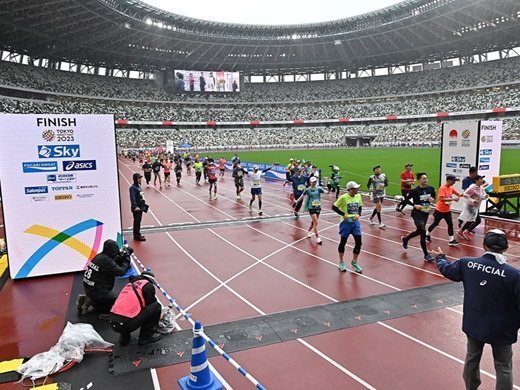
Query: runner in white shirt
point(256, 187)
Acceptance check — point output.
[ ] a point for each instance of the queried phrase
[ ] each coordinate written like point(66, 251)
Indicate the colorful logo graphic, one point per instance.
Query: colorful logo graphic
point(453, 133)
point(58, 151)
point(66, 237)
point(48, 135)
point(466, 134)
point(34, 167)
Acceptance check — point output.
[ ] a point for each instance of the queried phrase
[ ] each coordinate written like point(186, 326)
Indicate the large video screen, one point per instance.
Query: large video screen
point(206, 81)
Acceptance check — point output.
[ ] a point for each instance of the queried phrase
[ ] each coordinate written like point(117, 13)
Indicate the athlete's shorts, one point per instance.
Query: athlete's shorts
point(239, 184)
point(211, 181)
point(378, 199)
point(256, 191)
point(166, 174)
point(222, 169)
point(347, 228)
point(314, 211)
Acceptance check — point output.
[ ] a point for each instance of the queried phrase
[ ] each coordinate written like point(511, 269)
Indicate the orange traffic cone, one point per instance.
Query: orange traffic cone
point(200, 378)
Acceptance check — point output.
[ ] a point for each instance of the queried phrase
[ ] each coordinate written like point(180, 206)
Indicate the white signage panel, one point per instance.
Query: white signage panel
point(459, 152)
point(60, 190)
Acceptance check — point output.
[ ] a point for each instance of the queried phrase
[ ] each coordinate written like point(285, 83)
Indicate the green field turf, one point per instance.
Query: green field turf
point(357, 164)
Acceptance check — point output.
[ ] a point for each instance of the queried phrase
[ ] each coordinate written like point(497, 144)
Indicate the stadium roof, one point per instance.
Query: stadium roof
point(129, 34)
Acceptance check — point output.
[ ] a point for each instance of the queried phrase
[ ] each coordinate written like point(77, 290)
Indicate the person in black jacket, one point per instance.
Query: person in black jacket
point(137, 307)
point(138, 206)
point(491, 307)
point(99, 277)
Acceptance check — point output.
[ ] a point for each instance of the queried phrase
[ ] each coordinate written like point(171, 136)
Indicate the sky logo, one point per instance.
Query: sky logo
point(39, 166)
point(58, 151)
point(485, 159)
point(79, 165)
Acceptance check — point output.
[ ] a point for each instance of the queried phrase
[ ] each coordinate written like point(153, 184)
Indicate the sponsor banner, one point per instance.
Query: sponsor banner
point(62, 178)
point(490, 147)
point(58, 151)
point(38, 167)
point(53, 217)
point(39, 198)
point(79, 165)
point(62, 188)
point(36, 190)
point(278, 171)
point(63, 197)
point(459, 152)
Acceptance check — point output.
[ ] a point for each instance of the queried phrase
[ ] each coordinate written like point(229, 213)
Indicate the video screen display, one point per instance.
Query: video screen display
point(206, 81)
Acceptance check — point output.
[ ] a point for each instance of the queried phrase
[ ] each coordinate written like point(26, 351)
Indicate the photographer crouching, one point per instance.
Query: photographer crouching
point(99, 278)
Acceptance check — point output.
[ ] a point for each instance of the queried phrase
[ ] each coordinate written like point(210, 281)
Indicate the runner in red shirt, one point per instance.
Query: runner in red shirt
point(407, 180)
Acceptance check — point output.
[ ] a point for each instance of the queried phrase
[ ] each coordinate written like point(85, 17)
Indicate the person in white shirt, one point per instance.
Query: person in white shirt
point(256, 187)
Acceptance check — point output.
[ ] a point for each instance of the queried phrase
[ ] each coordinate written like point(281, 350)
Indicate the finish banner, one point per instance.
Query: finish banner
point(470, 144)
point(60, 190)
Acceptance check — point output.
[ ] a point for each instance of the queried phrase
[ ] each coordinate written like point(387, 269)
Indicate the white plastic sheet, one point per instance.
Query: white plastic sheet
point(70, 347)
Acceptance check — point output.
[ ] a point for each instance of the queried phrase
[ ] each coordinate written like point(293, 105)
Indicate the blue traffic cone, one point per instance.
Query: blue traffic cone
point(200, 378)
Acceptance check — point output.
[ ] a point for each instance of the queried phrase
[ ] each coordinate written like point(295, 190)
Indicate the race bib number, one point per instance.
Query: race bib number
point(301, 187)
point(380, 186)
point(256, 182)
point(426, 208)
point(316, 203)
point(352, 208)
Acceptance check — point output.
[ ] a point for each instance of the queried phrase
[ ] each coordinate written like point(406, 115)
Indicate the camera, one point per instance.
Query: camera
point(124, 255)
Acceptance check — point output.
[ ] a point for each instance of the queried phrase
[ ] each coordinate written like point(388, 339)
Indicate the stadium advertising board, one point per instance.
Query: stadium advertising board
point(490, 146)
point(206, 81)
point(60, 190)
point(468, 144)
point(459, 152)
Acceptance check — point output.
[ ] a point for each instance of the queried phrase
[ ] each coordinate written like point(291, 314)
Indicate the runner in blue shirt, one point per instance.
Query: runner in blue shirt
point(313, 206)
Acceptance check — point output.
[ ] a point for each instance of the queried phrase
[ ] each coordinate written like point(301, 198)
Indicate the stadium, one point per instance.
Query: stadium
point(356, 92)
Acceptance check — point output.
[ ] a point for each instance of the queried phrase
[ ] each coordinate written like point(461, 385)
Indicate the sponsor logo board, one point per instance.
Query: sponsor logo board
point(58, 151)
point(61, 178)
point(36, 190)
point(39, 166)
point(79, 165)
point(63, 197)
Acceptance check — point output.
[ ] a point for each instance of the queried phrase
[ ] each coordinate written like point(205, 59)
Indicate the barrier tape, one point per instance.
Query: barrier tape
point(222, 353)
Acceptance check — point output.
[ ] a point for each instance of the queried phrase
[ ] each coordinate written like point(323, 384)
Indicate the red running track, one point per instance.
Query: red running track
point(226, 273)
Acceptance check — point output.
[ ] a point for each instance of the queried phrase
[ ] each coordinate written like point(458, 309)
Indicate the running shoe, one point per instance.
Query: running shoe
point(429, 258)
point(309, 234)
point(356, 267)
point(215, 196)
point(342, 267)
point(239, 196)
point(405, 242)
point(382, 225)
point(371, 220)
point(428, 238)
point(401, 212)
point(318, 240)
point(460, 233)
point(250, 207)
point(467, 235)
point(454, 242)
point(260, 212)
point(296, 214)
point(210, 197)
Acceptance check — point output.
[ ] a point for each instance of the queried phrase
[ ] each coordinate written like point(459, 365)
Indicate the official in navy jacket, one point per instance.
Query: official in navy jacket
point(491, 307)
